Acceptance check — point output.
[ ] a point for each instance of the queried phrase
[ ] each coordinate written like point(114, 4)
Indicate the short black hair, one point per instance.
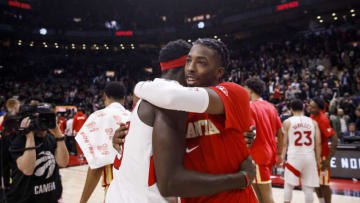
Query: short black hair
point(256, 85)
point(219, 47)
point(115, 90)
point(319, 102)
point(297, 105)
point(173, 50)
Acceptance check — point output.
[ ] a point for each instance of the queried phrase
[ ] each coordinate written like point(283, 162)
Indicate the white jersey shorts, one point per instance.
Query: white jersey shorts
point(302, 167)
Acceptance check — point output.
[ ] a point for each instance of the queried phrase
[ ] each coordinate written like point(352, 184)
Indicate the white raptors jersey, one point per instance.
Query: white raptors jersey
point(301, 136)
point(134, 177)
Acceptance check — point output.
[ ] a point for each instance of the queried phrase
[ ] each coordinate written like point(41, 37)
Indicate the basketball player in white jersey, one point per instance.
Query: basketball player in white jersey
point(134, 174)
point(303, 144)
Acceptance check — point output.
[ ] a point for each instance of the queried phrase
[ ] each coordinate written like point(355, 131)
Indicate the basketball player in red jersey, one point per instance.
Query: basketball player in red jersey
point(214, 137)
point(317, 106)
point(78, 122)
point(268, 126)
point(172, 179)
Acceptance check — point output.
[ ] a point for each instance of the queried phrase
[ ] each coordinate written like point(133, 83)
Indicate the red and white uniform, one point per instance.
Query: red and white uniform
point(301, 162)
point(263, 151)
point(326, 132)
point(62, 124)
point(78, 122)
point(215, 143)
point(134, 174)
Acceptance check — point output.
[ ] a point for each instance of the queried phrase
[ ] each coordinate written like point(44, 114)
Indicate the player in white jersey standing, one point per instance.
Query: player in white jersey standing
point(303, 144)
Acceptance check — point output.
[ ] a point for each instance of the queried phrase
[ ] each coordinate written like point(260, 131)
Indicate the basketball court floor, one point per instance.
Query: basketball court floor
point(73, 179)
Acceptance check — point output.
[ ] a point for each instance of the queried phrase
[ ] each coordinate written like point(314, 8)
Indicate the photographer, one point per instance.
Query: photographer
point(38, 156)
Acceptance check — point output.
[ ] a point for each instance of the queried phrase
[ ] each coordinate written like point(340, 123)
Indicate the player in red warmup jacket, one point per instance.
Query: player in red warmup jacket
point(317, 106)
point(264, 150)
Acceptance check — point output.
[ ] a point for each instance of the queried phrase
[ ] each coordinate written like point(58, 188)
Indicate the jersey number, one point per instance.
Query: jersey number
point(308, 134)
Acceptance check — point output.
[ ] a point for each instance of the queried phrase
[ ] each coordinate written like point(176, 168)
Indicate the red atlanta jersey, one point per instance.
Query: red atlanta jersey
point(326, 132)
point(215, 143)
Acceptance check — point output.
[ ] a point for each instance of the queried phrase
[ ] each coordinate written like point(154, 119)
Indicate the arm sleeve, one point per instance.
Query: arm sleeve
point(237, 106)
point(17, 144)
point(326, 128)
point(173, 96)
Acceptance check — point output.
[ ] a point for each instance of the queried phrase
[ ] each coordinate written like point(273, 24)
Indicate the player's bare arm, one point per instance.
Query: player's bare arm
point(286, 127)
point(325, 164)
point(180, 98)
point(317, 144)
point(172, 178)
point(280, 145)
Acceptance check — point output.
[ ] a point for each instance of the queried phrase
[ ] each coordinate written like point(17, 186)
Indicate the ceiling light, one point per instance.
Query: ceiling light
point(333, 14)
point(352, 11)
point(43, 31)
point(319, 17)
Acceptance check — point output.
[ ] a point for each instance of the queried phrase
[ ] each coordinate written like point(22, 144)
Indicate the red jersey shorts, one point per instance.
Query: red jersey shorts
point(324, 176)
point(263, 173)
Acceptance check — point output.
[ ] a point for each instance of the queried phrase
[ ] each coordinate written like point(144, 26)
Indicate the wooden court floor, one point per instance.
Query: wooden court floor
point(73, 179)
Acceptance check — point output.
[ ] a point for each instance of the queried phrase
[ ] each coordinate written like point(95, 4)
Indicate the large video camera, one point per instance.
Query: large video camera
point(42, 118)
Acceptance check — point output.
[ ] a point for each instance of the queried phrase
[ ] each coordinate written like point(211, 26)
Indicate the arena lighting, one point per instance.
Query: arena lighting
point(84, 48)
point(43, 31)
point(352, 11)
point(124, 33)
point(289, 5)
point(319, 17)
point(122, 48)
point(335, 18)
point(353, 15)
point(321, 21)
point(189, 40)
point(333, 14)
point(219, 39)
point(215, 37)
point(19, 5)
point(201, 25)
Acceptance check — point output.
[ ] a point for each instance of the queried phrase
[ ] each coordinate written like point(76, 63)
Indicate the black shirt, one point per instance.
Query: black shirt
point(44, 185)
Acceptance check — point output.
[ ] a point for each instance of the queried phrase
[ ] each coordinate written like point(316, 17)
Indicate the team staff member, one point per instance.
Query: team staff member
point(317, 106)
point(95, 138)
point(264, 151)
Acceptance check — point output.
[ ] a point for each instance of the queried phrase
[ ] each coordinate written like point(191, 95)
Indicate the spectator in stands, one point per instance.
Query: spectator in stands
point(352, 135)
point(340, 123)
point(357, 120)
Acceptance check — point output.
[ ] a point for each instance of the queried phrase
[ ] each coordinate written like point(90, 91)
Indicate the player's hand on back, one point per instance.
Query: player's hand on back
point(249, 167)
point(119, 136)
point(250, 136)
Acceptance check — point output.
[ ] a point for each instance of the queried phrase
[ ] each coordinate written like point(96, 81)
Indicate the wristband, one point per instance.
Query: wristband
point(246, 178)
point(30, 148)
point(60, 139)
